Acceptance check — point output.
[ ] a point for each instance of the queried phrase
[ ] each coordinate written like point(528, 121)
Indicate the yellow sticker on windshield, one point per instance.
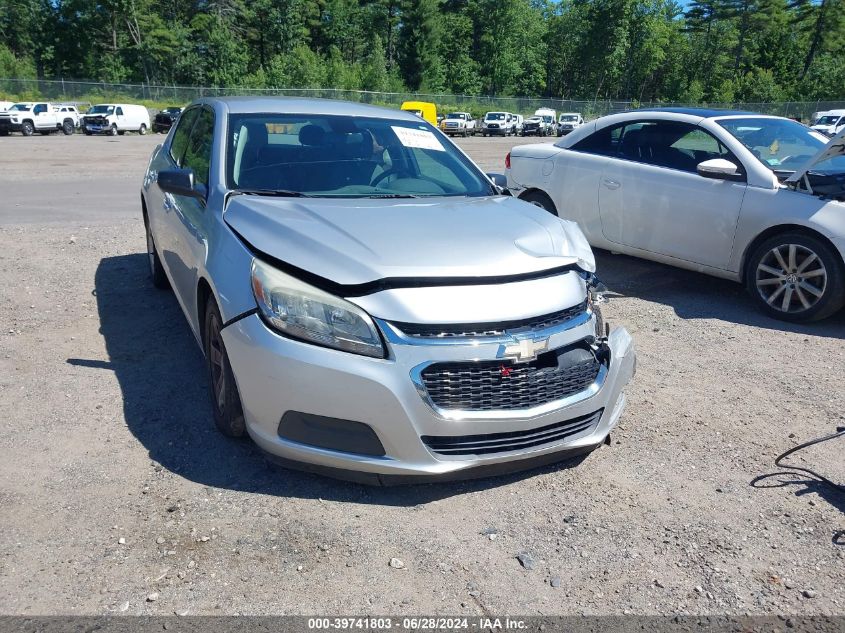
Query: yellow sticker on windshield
point(774, 147)
point(417, 138)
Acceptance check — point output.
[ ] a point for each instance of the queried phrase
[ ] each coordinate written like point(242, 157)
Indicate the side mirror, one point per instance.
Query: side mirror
point(501, 183)
point(719, 169)
point(180, 182)
point(500, 180)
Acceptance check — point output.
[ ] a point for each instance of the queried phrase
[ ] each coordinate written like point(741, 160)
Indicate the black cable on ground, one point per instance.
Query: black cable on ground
point(840, 431)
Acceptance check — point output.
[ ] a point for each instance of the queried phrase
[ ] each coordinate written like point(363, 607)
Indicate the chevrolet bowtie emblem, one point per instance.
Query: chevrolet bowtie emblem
point(523, 350)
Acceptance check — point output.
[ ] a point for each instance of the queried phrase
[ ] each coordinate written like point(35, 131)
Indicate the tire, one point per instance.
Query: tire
point(142, 130)
point(4, 132)
point(121, 132)
point(157, 274)
point(113, 130)
point(225, 400)
point(87, 133)
point(27, 128)
point(796, 277)
point(540, 199)
point(68, 127)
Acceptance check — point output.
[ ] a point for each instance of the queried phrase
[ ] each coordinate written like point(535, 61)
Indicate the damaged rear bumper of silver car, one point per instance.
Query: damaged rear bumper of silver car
point(440, 406)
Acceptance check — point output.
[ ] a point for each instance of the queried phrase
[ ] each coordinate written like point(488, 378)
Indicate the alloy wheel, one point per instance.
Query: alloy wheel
point(791, 278)
point(151, 252)
point(216, 356)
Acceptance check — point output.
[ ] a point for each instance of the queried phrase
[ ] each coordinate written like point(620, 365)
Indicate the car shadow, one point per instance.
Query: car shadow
point(695, 295)
point(162, 378)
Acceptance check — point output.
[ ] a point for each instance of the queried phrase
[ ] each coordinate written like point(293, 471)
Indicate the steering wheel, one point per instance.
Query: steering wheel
point(390, 172)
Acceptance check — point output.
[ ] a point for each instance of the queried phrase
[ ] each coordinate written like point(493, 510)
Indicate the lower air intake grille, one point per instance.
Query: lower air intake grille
point(506, 386)
point(485, 444)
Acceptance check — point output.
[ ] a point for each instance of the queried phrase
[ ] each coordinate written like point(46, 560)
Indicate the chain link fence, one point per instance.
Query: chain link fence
point(93, 91)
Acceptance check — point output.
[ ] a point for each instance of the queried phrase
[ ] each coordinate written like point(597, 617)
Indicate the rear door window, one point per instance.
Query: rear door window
point(604, 142)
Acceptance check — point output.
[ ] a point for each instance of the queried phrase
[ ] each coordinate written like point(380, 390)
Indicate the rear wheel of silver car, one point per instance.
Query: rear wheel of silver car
point(67, 127)
point(157, 273)
point(540, 199)
point(142, 130)
point(796, 277)
point(225, 401)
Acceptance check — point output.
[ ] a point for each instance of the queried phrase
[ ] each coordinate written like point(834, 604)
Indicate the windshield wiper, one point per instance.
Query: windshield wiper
point(277, 193)
point(393, 195)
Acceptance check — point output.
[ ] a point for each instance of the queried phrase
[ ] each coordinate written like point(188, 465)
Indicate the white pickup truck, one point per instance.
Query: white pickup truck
point(45, 118)
point(459, 123)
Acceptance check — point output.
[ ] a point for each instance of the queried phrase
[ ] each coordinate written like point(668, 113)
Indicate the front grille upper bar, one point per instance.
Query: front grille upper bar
point(397, 337)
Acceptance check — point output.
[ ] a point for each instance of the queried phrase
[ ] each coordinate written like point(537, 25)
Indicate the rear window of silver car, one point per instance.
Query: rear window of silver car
point(344, 156)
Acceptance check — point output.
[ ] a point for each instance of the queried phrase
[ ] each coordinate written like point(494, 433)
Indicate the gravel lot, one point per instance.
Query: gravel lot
point(118, 496)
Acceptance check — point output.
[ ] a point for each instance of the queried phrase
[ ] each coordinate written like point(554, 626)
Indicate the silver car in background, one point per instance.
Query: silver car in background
point(369, 304)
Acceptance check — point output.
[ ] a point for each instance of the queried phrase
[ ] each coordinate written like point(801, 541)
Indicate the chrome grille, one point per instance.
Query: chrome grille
point(476, 330)
point(505, 385)
point(484, 444)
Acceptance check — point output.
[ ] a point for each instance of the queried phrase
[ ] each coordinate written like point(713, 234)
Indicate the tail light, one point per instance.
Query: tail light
point(508, 160)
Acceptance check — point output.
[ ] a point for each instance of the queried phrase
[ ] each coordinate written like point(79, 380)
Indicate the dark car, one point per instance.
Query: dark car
point(165, 119)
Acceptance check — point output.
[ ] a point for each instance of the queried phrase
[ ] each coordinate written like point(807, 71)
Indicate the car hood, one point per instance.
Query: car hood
point(355, 241)
point(835, 147)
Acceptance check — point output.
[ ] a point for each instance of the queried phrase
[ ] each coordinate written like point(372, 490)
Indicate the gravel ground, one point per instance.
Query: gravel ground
point(118, 496)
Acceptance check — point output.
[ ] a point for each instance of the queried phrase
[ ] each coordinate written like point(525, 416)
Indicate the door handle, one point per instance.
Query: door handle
point(611, 184)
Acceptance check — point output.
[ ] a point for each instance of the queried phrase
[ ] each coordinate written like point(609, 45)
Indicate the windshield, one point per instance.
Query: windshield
point(829, 119)
point(20, 107)
point(533, 119)
point(495, 116)
point(173, 110)
point(101, 109)
point(782, 145)
point(569, 117)
point(456, 115)
point(548, 119)
point(345, 156)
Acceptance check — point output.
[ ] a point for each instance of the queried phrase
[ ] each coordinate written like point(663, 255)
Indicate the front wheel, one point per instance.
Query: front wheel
point(225, 400)
point(157, 273)
point(27, 128)
point(142, 130)
point(796, 277)
point(67, 128)
point(540, 199)
point(113, 130)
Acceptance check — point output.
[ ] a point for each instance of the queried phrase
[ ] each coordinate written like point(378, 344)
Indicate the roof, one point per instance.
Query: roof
point(705, 113)
point(297, 105)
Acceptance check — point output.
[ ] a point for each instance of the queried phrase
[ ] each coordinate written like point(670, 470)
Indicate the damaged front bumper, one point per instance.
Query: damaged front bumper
point(299, 399)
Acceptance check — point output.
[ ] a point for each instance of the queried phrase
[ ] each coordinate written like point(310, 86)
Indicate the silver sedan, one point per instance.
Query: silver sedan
point(369, 302)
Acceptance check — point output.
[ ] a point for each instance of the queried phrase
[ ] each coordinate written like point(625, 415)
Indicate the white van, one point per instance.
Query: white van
point(569, 122)
point(116, 118)
point(830, 123)
point(549, 120)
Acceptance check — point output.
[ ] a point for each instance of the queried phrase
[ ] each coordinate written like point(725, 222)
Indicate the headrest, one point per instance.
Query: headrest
point(256, 133)
point(312, 135)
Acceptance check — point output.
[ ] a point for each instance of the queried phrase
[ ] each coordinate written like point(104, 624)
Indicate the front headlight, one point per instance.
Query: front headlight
point(301, 311)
